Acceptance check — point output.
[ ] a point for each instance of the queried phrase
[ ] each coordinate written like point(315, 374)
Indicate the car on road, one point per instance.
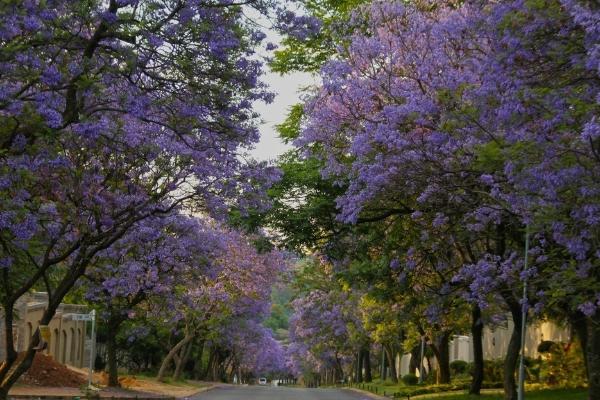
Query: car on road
point(262, 381)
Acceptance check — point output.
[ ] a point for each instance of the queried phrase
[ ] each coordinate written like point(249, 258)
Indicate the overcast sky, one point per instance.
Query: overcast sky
point(287, 93)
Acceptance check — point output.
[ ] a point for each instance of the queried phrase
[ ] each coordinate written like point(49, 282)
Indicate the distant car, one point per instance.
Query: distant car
point(262, 381)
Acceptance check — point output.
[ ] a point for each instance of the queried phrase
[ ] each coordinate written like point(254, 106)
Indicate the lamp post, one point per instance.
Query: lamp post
point(521, 388)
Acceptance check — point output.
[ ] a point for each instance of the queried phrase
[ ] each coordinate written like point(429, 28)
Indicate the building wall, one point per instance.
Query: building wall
point(495, 342)
point(68, 338)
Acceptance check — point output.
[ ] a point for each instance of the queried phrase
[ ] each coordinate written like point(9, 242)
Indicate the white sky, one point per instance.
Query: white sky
point(287, 93)
point(287, 90)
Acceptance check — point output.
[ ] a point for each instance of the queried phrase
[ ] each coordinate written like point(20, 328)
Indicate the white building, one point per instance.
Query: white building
point(68, 342)
point(495, 343)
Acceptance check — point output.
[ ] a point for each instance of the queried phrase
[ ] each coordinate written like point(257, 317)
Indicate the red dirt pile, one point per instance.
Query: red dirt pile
point(126, 381)
point(46, 372)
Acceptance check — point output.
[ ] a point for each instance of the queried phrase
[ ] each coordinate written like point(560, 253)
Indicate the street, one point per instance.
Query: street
point(277, 393)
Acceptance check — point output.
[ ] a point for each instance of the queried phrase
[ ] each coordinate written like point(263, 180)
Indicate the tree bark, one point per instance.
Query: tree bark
point(391, 361)
point(383, 368)
point(185, 355)
point(477, 335)
point(593, 356)
point(579, 325)
point(514, 347)
point(169, 357)
point(114, 323)
point(111, 352)
point(198, 367)
point(368, 377)
point(441, 350)
point(415, 359)
point(359, 365)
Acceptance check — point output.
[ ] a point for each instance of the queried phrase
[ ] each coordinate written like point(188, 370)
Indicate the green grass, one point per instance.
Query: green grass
point(550, 394)
point(534, 393)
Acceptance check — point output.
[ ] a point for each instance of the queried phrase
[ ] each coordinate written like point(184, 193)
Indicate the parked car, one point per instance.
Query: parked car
point(262, 381)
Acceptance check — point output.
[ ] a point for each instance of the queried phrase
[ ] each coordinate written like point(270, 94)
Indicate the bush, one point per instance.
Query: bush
point(410, 379)
point(458, 367)
point(493, 370)
point(562, 365)
point(415, 391)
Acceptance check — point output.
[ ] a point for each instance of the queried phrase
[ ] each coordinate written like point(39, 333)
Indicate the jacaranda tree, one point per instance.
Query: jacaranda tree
point(149, 262)
point(113, 112)
point(476, 120)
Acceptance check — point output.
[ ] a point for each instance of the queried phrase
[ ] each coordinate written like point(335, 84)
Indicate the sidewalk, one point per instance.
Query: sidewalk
point(54, 393)
point(366, 393)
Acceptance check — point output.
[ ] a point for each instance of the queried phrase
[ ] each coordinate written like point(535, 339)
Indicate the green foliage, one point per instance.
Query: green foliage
point(290, 128)
point(493, 370)
point(310, 54)
point(459, 367)
point(434, 389)
point(534, 395)
point(562, 364)
point(311, 275)
point(410, 379)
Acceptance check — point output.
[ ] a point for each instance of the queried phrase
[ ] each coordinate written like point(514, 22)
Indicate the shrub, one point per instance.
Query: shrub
point(458, 367)
point(493, 370)
point(410, 379)
point(562, 365)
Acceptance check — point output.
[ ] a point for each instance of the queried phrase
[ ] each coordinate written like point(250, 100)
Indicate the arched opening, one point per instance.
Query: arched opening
point(79, 347)
point(29, 333)
point(63, 355)
point(56, 339)
point(72, 350)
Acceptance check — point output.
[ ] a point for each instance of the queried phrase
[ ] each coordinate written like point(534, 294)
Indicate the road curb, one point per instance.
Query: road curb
point(100, 396)
point(202, 390)
point(368, 394)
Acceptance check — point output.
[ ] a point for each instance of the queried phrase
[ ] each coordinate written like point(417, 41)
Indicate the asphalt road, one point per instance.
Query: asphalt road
point(277, 393)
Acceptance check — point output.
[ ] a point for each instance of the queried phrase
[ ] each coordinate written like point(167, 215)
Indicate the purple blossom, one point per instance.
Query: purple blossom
point(51, 76)
point(588, 308)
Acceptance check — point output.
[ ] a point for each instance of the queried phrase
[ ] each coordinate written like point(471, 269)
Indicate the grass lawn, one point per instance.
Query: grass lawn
point(532, 393)
point(551, 394)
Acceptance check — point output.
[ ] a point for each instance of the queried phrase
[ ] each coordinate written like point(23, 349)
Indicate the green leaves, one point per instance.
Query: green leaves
point(310, 54)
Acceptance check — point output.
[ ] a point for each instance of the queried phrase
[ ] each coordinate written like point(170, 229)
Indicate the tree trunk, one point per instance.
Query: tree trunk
point(383, 368)
point(198, 367)
point(477, 334)
point(415, 359)
point(441, 350)
point(211, 356)
point(593, 356)
point(111, 352)
point(514, 347)
point(185, 355)
point(169, 357)
point(579, 325)
point(391, 361)
point(114, 323)
point(367, 365)
point(359, 366)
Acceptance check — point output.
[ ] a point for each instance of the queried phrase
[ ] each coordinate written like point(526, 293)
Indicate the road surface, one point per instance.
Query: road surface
point(277, 393)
